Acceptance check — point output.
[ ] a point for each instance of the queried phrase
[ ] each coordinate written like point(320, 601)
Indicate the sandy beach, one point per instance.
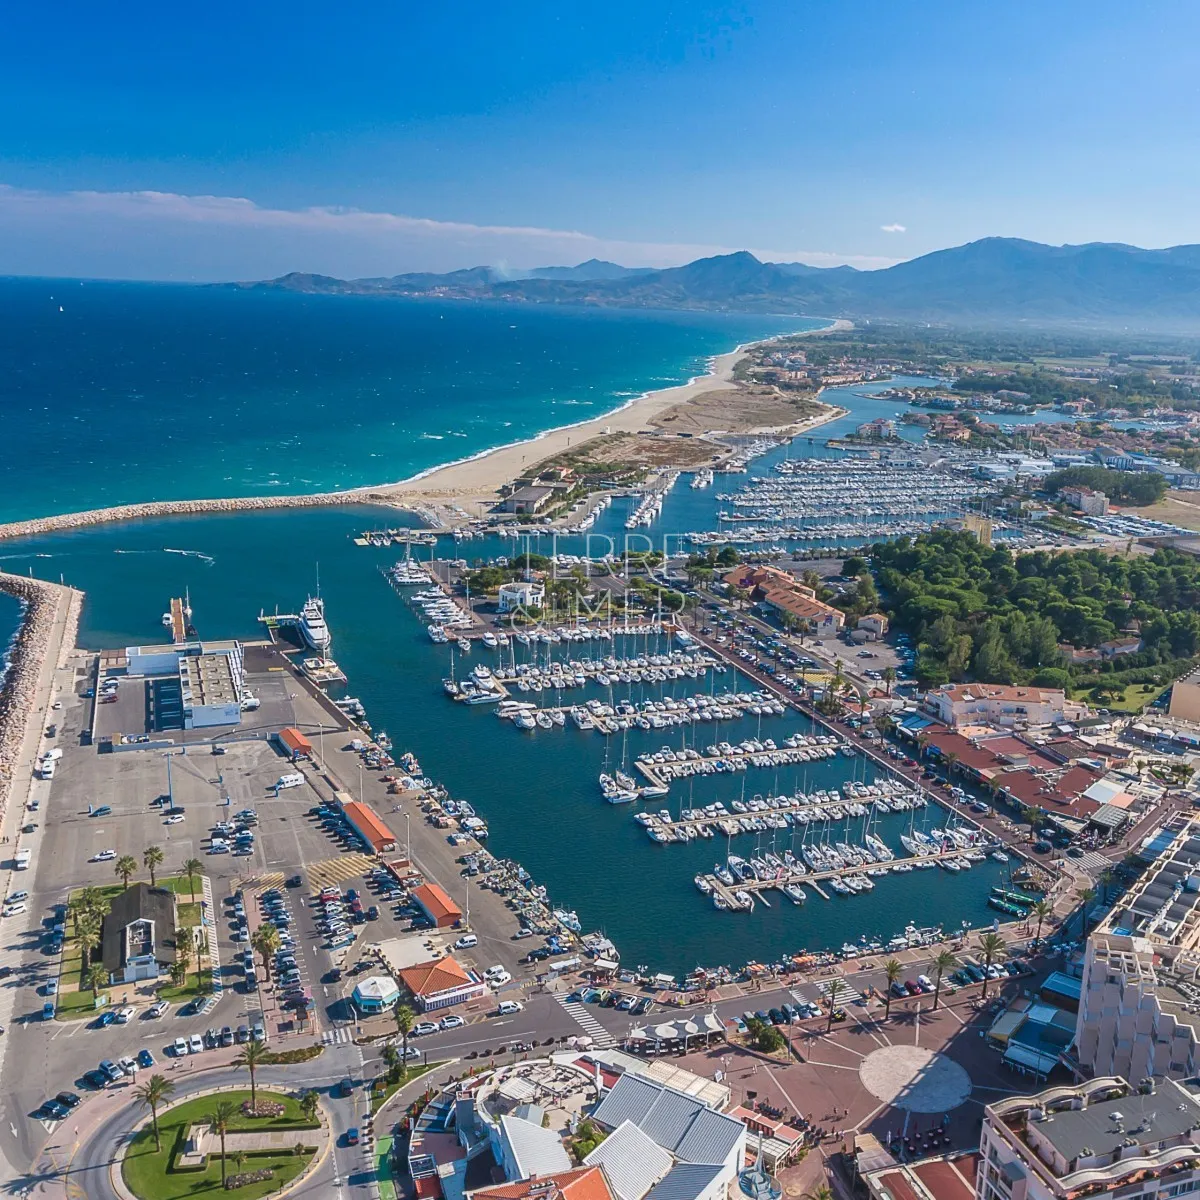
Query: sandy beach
point(459, 486)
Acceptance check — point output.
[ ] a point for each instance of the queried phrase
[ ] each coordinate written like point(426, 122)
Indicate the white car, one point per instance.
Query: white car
point(500, 978)
point(493, 971)
point(158, 1008)
point(103, 856)
point(17, 897)
point(14, 910)
point(422, 1028)
point(176, 819)
point(179, 1047)
point(125, 1015)
point(452, 1022)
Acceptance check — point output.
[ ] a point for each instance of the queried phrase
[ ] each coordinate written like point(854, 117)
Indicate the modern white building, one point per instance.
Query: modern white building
point(211, 678)
point(999, 704)
point(1139, 1004)
point(520, 594)
point(1098, 1139)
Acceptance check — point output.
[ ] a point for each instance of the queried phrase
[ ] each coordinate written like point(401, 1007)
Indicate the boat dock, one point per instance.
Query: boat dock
point(735, 758)
point(753, 889)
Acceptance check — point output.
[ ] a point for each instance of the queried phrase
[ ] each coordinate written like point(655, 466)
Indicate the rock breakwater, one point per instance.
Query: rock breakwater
point(20, 704)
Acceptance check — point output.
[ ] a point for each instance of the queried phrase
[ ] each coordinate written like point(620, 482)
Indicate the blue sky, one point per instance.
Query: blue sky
point(164, 141)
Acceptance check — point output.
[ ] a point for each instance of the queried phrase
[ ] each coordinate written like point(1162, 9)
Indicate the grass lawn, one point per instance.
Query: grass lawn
point(380, 1096)
point(191, 986)
point(187, 914)
point(1131, 699)
point(146, 1170)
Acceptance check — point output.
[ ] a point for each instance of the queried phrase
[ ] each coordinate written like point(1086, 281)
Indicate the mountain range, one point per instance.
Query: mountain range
point(991, 281)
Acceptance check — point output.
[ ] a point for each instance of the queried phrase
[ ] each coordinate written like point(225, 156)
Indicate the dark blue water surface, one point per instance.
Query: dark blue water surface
point(113, 393)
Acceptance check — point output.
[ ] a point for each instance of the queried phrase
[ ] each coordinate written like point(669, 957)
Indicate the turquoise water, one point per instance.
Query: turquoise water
point(127, 392)
point(10, 622)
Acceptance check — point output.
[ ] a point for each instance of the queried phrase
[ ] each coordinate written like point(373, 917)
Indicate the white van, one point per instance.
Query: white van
point(466, 942)
point(23, 859)
point(290, 781)
point(46, 768)
point(52, 755)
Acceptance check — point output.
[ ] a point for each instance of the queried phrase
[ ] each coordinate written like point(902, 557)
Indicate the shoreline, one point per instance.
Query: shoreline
point(473, 479)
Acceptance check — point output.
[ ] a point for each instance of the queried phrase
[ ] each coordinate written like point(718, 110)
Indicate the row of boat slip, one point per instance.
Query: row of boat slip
point(609, 671)
point(666, 765)
point(666, 713)
point(702, 479)
point(589, 518)
point(400, 537)
point(585, 633)
point(746, 454)
point(652, 503)
point(746, 534)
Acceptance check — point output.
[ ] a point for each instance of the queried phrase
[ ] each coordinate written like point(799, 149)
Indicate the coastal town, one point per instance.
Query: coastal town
point(894, 721)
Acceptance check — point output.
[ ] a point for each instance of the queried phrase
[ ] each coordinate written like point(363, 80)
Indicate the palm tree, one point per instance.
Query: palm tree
point(835, 986)
point(1107, 879)
point(391, 1060)
point(96, 978)
point(152, 857)
point(155, 1091)
point(992, 945)
point(820, 1193)
point(125, 866)
point(892, 970)
point(309, 1104)
point(951, 758)
point(945, 961)
point(219, 1119)
point(405, 1018)
point(92, 899)
point(266, 942)
point(889, 677)
point(191, 868)
point(183, 949)
point(922, 744)
point(1042, 909)
point(87, 934)
point(1085, 896)
point(178, 972)
point(251, 1058)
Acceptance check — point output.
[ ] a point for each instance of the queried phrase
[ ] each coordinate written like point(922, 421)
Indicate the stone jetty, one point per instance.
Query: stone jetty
point(175, 508)
point(50, 619)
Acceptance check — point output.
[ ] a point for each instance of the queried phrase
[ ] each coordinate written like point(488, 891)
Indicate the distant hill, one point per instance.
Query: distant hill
point(992, 281)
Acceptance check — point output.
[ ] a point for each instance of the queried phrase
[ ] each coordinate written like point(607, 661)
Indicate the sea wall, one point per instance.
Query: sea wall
point(20, 703)
point(173, 508)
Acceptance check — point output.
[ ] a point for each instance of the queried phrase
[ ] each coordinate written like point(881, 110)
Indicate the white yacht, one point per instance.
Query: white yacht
point(312, 624)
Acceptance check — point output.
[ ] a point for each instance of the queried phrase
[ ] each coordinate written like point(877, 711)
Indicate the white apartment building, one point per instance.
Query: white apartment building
point(999, 704)
point(1139, 1006)
point(1099, 1139)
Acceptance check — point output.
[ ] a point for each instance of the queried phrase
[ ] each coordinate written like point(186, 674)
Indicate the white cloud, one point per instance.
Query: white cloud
point(165, 235)
point(894, 228)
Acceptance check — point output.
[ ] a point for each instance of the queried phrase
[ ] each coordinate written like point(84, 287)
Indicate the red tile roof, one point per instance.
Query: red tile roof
point(440, 975)
point(582, 1183)
point(432, 897)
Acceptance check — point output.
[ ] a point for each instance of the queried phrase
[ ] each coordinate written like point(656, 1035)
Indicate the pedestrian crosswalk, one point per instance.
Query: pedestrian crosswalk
point(846, 994)
point(599, 1035)
point(337, 1037)
point(333, 871)
point(264, 882)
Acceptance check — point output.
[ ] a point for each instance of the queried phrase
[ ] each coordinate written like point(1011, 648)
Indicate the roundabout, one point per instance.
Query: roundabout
point(914, 1079)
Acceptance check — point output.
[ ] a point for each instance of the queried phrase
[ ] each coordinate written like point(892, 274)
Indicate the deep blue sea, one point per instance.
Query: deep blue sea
point(113, 393)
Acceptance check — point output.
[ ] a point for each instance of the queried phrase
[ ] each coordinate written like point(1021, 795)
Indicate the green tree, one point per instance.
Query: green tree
point(992, 945)
point(1042, 909)
point(87, 934)
point(125, 866)
point(152, 858)
point(178, 973)
point(219, 1119)
point(266, 941)
point(892, 970)
point(251, 1058)
point(945, 961)
point(391, 1060)
point(191, 868)
point(835, 990)
point(309, 1104)
point(156, 1091)
point(769, 1040)
point(889, 677)
point(405, 1018)
point(96, 978)
point(1085, 896)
